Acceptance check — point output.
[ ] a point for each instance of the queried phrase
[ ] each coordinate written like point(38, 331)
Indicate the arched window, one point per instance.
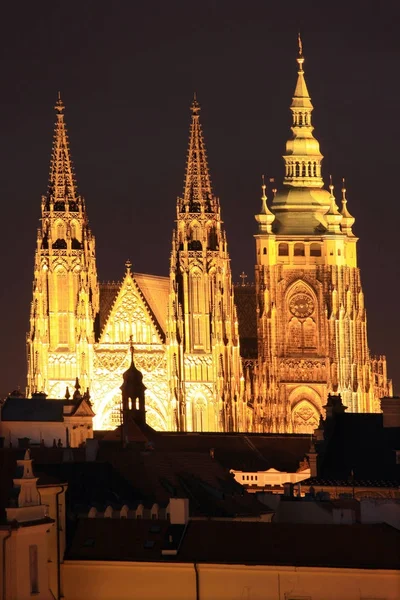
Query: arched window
point(264, 251)
point(200, 415)
point(315, 249)
point(339, 252)
point(310, 333)
point(299, 250)
point(294, 334)
point(62, 290)
point(195, 291)
point(283, 249)
point(63, 329)
point(60, 230)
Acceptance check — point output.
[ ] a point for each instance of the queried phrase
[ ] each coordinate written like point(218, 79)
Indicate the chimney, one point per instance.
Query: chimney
point(179, 511)
point(391, 411)
point(312, 456)
point(334, 406)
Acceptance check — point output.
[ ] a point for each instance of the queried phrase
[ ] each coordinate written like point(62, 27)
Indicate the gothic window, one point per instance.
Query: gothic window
point(212, 238)
point(315, 250)
point(60, 231)
point(196, 331)
point(310, 333)
point(305, 417)
point(195, 232)
point(299, 250)
point(213, 283)
point(195, 292)
point(297, 169)
point(294, 334)
point(63, 329)
point(75, 287)
point(75, 234)
point(283, 249)
point(199, 416)
point(62, 290)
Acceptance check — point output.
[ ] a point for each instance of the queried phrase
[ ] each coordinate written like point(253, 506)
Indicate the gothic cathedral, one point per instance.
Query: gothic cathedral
point(304, 319)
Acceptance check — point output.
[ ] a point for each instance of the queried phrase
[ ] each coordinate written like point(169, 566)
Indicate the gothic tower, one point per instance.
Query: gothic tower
point(204, 369)
point(65, 289)
point(311, 319)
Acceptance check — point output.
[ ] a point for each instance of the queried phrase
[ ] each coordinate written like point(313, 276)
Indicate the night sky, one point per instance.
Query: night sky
point(127, 72)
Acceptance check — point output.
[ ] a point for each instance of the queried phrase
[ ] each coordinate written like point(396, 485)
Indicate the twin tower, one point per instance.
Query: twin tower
point(188, 330)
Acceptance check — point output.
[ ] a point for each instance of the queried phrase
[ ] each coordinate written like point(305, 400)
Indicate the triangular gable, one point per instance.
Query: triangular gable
point(131, 315)
point(83, 410)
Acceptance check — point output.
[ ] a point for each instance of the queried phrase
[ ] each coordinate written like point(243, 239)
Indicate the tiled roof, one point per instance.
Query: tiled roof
point(108, 294)
point(40, 409)
point(238, 542)
point(155, 289)
point(194, 475)
point(239, 451)
point(32, 409)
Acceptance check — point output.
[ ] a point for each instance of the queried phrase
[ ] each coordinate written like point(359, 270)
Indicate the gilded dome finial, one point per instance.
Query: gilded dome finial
point(300, 44)
point(300, 58)
point(263, 187)
point(344, 199)
point(331, 185)
point(128, 265)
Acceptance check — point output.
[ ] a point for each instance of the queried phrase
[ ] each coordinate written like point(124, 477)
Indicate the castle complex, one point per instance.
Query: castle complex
point(192, 331)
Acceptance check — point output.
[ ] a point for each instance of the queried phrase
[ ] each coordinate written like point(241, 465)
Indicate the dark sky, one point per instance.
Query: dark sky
point(127, 72)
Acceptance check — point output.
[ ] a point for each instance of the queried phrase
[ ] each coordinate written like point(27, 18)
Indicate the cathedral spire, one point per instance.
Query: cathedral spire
point(303, 157)
point(62, 185)
point(197, 181)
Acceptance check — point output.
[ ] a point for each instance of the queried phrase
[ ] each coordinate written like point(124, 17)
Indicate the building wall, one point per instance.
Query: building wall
point(17, 574)
point(151, 581)
point(47, 431)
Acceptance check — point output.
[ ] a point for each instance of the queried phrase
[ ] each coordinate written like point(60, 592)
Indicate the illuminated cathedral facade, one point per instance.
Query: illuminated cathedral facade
point(191, 330)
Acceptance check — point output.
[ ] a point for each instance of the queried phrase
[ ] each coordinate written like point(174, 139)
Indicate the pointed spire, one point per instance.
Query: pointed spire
point(62, 185)
point(197, 182)
point(265, 218)
point(303, 157)
point(348, 219)
point(333, 216)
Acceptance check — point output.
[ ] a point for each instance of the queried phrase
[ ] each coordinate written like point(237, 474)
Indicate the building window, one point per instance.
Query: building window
point(265, 251)
point(299, 250)
point(315, 250)
point(33, 569)
point(283, 250)
point(63, 329)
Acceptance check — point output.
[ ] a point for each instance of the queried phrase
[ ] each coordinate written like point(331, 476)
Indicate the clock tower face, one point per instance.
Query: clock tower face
point(301, 305)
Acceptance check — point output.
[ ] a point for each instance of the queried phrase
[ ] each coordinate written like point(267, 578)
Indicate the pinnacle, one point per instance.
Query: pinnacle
point(197, 180)
point(62, 185)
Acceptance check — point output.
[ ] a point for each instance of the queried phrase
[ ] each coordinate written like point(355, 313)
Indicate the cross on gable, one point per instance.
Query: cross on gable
point(243, 277)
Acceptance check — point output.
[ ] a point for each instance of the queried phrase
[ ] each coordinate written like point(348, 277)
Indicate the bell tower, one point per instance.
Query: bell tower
point(311, 318)
point(65, 289)
point(204, 368)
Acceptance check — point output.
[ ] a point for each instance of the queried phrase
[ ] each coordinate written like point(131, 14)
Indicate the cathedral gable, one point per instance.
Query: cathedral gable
point(130, 315)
